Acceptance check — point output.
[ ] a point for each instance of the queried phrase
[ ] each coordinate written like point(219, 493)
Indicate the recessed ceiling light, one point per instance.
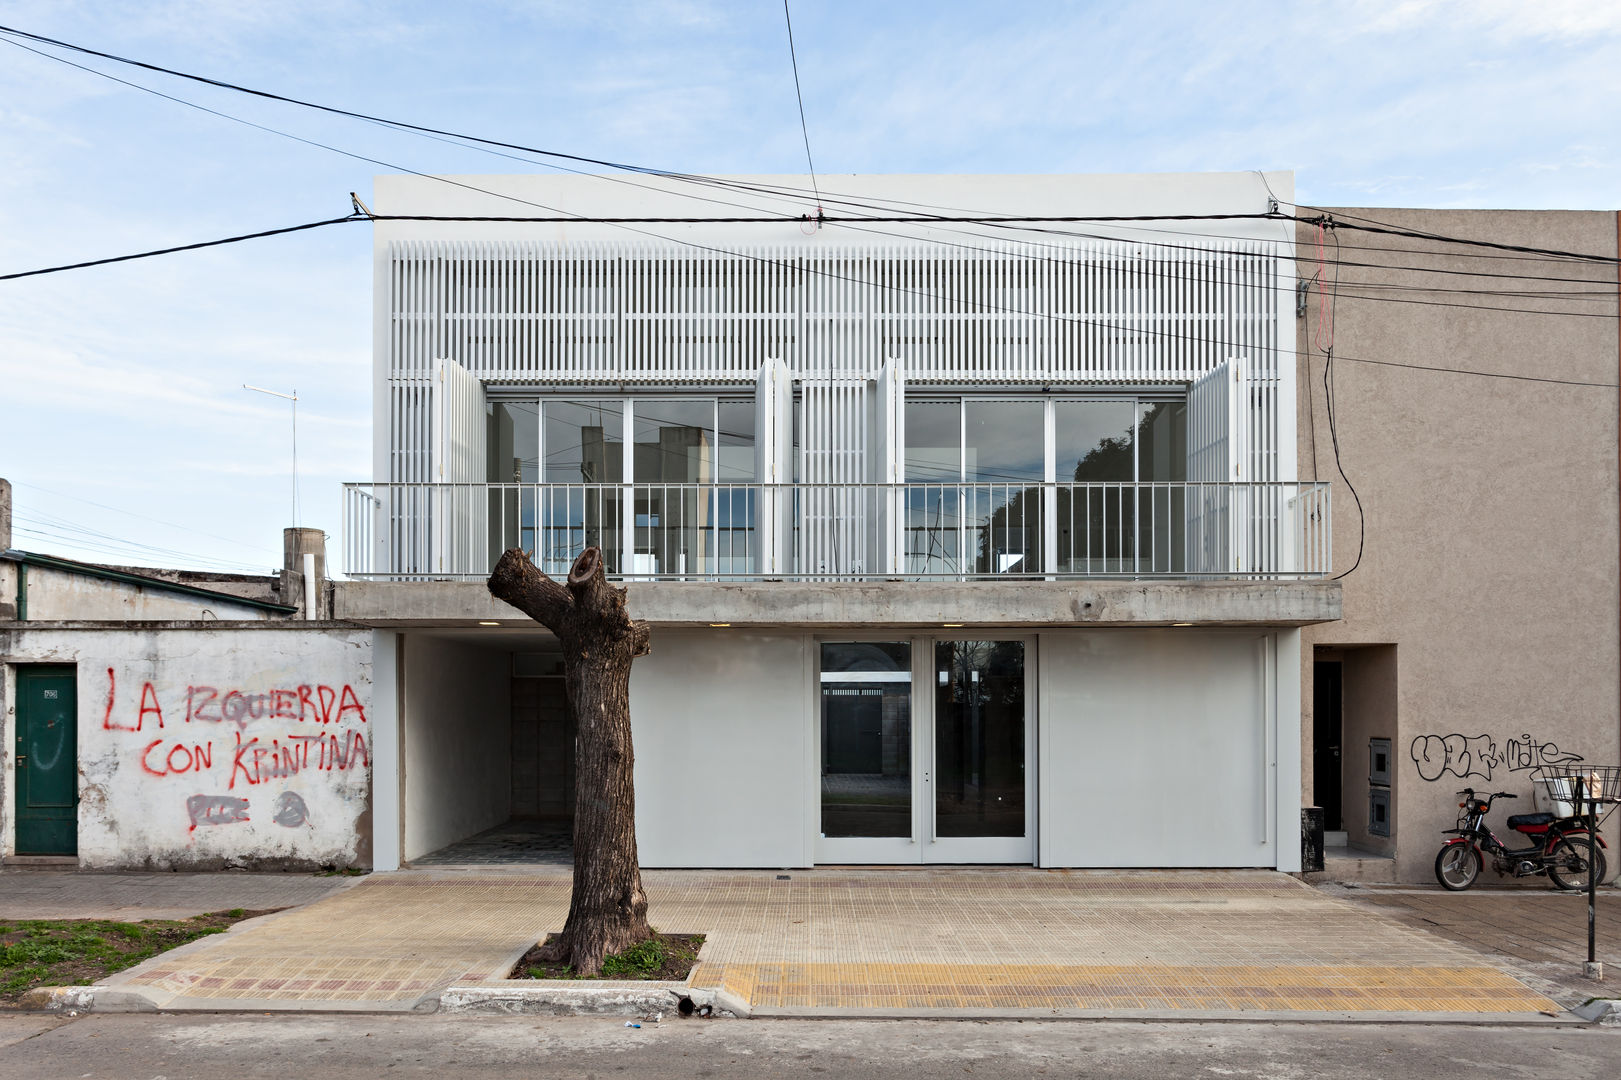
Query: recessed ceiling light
point(1181, 624)
point(483, 622)
point(951, 625)
point(720, 625)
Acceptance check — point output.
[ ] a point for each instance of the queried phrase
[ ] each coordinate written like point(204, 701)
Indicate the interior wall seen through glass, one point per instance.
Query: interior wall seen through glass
point(513, 442)
point(674, 441)
point(585, 442)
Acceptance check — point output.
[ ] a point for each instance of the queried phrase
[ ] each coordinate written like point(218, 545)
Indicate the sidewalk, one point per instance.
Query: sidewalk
point(1538, 935)
point(73, 894)
point(954, 942)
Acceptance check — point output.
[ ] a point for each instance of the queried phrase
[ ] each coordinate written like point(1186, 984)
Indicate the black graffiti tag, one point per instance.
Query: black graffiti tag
point(1478, 755)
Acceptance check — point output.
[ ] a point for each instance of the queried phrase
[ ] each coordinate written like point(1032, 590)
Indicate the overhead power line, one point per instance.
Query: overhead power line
point(181, 247)
point(676, 175)
point(800, 97)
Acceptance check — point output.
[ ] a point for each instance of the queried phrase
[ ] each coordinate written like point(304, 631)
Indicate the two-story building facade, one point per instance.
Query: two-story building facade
point(956, 550)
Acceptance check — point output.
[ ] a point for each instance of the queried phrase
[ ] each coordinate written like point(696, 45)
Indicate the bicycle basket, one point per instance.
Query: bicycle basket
point(1560, 784)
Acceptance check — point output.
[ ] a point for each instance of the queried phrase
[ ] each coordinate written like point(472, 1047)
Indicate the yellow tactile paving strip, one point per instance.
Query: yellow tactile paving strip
point(1281, 988)
point(880, 939)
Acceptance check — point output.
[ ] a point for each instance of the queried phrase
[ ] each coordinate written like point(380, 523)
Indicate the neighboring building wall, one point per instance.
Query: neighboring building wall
point(1490, 557)
point(210, 748)
point(456, 740)
point(61, 595)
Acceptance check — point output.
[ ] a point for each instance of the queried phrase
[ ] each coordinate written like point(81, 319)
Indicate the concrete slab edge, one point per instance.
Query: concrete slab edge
point(547, 997)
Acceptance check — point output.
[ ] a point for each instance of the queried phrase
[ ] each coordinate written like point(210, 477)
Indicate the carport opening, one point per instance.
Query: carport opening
point(489, 748)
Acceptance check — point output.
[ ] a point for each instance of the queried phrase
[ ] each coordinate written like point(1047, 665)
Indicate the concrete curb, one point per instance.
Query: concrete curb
point(554, 997)
point(72, 1000)
point(1604, 1012)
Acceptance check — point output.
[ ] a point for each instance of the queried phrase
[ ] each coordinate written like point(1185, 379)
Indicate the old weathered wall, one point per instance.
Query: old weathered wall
point(202, 748)
point(60, 595)
point(1489, 504)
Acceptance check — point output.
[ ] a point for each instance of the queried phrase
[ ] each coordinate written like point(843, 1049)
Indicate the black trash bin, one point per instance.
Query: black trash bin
point(1311, 838)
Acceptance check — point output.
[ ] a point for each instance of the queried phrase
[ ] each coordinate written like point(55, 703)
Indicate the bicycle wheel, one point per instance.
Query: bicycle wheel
point(1567, 864)
point(1457, 866)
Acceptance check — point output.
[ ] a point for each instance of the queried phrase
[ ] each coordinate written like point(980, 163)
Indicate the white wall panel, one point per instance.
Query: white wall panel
point(722, 723)
point(1157, 749)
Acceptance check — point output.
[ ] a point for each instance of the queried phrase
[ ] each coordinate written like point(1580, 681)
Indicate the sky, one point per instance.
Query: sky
point(124, 427)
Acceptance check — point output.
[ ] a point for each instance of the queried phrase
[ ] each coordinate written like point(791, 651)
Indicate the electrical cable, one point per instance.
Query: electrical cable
point(757, 189)
point(181, 247)
point(1331, 309)
point(800, 97)
point(697, 178)
point(705, 247)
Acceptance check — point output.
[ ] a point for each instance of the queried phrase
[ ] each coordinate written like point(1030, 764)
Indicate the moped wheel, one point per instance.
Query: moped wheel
point(1567, 863)
point(1457, 866)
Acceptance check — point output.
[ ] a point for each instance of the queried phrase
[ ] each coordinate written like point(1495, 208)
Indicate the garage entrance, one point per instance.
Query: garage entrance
point(488, 751)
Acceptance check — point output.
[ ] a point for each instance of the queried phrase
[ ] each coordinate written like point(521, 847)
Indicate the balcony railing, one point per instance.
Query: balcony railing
point(743, 532)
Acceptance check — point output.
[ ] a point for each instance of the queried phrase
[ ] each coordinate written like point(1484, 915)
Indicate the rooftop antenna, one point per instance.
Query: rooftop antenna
point(293, 397)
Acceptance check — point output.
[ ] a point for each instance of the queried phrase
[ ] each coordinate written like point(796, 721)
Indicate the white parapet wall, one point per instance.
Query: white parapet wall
point(211, 748)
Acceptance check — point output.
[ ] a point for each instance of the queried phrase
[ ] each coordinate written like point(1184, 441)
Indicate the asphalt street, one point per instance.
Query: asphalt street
point(171, 1047)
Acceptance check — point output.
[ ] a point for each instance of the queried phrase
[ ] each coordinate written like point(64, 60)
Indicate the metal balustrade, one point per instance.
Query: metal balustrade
point(925, 531)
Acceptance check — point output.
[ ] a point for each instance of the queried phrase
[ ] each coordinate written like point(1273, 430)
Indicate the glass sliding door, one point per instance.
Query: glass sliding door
point(1094, 462)
point(583, 452)
point(980, 733)
point(955, 786)
point(674, 463)
point(933, 534)
point(1004, 448)
point(866, 752)
point(513, 445)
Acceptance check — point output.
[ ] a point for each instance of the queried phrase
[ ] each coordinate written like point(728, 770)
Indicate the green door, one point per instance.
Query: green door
point(47, 762)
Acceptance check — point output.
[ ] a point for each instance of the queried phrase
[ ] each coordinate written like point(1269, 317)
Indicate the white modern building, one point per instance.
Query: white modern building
point(956, 549)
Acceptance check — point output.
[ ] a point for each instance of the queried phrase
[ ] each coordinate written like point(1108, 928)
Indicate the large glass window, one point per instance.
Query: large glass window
point(973, 466)
point(689, 508)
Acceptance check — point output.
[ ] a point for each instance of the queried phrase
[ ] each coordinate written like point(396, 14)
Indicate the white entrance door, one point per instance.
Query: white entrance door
point(925, 752)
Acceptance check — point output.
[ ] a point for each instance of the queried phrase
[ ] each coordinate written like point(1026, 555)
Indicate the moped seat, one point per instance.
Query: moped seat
point(1523, 822)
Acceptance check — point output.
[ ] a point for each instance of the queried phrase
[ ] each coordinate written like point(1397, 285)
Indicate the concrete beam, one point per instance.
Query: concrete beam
point(887, 603)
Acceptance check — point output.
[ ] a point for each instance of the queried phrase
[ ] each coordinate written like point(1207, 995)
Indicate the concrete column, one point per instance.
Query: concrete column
point(1287, 748)
point(5, 514)
point(386, 761)
point(295, 544)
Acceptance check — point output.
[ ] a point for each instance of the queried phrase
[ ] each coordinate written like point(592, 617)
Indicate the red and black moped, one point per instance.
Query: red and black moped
point(1561, 847)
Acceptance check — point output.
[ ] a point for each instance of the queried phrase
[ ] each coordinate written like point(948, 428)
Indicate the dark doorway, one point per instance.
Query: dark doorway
point(47, 758)
point(1327, 741)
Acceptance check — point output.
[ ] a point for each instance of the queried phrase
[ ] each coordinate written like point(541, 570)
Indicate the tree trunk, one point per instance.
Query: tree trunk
point(608, 909)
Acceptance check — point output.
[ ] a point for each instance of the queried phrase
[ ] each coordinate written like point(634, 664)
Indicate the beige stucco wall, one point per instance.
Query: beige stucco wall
point(1490, 560)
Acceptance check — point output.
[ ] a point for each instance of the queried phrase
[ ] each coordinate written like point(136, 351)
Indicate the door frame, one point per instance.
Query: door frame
point(923, 847)
point(17, 675)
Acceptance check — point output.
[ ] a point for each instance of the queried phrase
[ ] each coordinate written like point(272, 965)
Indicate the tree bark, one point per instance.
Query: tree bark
point(607, 909)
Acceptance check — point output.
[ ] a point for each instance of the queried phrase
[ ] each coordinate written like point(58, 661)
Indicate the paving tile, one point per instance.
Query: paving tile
point(851, 939)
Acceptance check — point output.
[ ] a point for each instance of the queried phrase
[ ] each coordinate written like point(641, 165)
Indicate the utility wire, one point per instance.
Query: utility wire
point(691, 177)
point(803, 130)
point(935, 218)
point(786, 191)
point(181, 247)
